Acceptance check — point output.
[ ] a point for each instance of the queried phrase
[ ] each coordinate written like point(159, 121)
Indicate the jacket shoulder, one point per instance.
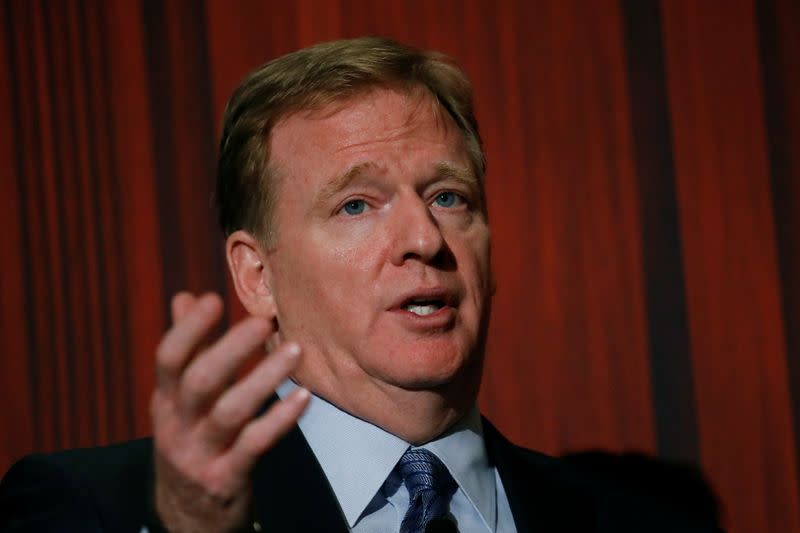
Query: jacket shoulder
point(90, 489)
point(597, 491)
point(635, 489)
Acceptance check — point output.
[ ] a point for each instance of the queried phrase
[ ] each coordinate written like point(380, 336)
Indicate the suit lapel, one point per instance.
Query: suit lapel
point(291, 491)
point(541, 498)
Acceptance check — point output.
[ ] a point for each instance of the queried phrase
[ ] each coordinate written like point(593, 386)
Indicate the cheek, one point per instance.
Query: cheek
point(473, 254)
point(324, 281)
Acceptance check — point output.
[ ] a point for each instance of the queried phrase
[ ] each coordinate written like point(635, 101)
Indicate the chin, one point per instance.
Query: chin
point(429, 367)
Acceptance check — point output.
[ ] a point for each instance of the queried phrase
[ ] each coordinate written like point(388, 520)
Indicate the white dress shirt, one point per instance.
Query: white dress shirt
point(359, 461)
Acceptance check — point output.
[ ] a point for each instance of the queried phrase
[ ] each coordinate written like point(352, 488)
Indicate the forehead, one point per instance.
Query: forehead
point(365, 123)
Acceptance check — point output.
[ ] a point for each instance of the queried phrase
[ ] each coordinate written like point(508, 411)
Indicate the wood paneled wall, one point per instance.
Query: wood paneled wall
point(644, 191)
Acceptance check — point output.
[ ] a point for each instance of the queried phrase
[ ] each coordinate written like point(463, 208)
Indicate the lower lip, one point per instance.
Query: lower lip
point(441, 318)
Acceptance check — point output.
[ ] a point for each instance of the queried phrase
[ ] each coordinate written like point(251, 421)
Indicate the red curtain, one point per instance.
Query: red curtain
point(644, 191)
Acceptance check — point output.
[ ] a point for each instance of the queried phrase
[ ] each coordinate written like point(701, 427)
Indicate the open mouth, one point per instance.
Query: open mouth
point(423, 307)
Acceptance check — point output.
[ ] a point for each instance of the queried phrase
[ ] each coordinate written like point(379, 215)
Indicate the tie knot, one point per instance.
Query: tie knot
point(430, 487)
point(422, 471)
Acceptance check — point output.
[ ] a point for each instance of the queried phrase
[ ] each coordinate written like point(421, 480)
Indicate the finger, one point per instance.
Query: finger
point(264, 432)
point(211, 372)
point(239, 404)
point(181, 341)
point(181, 303)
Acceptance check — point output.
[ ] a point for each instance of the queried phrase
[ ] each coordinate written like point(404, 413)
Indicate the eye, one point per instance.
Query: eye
point(354, 207)
point(448, 199)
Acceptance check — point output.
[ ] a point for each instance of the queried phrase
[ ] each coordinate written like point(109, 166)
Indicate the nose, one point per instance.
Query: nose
point(416, 233)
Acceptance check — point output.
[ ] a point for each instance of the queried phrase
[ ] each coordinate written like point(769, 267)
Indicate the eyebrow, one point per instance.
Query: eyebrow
point(466, 176)
point(341, 182)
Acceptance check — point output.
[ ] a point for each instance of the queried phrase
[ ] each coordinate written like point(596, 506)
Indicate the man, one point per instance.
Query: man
point(350, 189)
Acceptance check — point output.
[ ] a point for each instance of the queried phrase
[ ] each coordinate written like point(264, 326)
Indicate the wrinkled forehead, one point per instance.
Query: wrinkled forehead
point(418, 101)
point(380, 114)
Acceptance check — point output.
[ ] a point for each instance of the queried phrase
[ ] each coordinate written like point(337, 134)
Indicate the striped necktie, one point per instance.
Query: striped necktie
point(430, 487)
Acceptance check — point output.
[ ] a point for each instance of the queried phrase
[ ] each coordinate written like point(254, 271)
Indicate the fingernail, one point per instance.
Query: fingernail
point(303, 394)
point(292, 349)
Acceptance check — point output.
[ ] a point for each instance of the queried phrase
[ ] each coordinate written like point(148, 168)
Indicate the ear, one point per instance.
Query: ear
point(251, 274)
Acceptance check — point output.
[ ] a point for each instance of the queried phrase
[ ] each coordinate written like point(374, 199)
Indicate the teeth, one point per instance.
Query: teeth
point(422, 310)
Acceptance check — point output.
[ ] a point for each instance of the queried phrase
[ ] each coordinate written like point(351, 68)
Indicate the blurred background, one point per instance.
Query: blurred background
point(644, 194)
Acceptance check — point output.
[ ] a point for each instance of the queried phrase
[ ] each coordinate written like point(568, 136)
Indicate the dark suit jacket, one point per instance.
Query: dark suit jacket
point(109, 489)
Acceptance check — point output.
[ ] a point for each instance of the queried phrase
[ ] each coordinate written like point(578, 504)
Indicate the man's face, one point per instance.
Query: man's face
point(380, 269)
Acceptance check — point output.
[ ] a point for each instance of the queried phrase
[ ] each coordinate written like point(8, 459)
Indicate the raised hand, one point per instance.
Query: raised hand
point(207, 437)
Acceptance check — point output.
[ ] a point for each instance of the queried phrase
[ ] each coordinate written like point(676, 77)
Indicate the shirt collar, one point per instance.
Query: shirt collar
point(343, 444)
point(463, 452)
